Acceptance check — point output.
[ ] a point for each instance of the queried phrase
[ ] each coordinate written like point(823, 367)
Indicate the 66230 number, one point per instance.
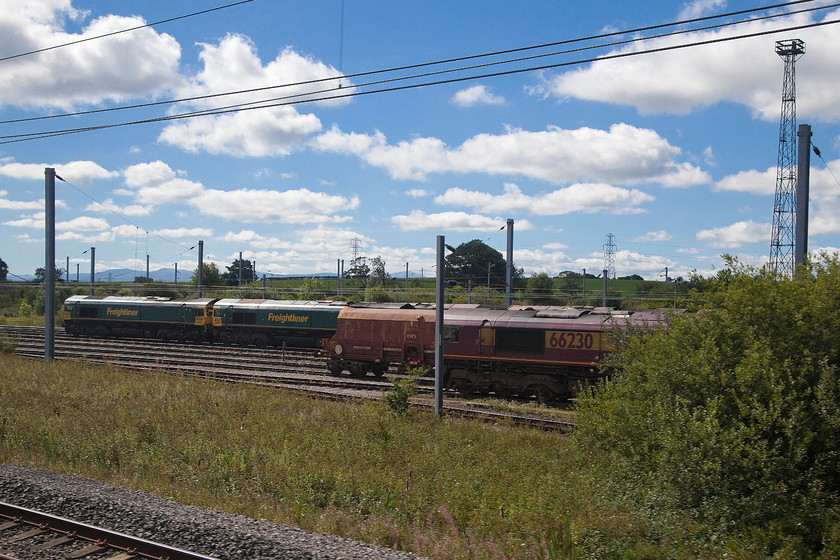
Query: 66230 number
point(572, 340)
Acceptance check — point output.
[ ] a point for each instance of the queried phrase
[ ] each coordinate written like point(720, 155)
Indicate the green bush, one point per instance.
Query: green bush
point(731, 418)
point(404, 388)
point(24, 309)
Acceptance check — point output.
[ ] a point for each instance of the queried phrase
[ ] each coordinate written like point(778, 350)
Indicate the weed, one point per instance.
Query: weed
point(398, 397)
point(8, 344)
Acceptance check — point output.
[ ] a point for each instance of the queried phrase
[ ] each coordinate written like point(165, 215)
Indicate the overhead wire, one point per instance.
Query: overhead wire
point(819, 155)
point(9, 139)
point(112, 33)
point(289, 100)
point(125, 219)
point(460, 59)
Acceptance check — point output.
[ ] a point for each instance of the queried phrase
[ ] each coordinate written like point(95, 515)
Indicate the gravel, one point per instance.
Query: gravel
point(220, 535)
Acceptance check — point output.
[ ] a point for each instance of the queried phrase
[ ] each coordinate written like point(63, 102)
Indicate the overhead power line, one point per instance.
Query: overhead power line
point(86, 39)
point(464, 58)
point(340, 93)
point(114, 212)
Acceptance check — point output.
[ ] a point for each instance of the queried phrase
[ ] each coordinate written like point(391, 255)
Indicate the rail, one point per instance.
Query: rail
point(38, 532)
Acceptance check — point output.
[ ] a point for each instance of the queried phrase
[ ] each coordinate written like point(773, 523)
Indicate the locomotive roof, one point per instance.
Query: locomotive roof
point(140, 300)
point(255, 304)
point(552, 317)
point(523, 317)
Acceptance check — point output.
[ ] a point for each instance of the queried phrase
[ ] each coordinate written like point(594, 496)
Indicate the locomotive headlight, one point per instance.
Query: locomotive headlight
point(338, 349)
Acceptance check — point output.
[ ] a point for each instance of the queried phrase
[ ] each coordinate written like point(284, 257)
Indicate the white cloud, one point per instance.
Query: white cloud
point(148, 174)
point(699, 8)
point(83, 223)
point(34, 221)
point(155, 183)
point(183, 232)
point(418, 220)
point(74, 172)
point(108, 205)
point(745, 71)
point(623, 154)
point(251, 238)
point(754, 182)
point(310, 251)
point(589, 198)
point(252, 133)
point(736, 235)
point(654, 236)
point(417, 193)
point(290, 207)
point(477, 95)
point(7, 204)
point(139, 63)
point(273, 132)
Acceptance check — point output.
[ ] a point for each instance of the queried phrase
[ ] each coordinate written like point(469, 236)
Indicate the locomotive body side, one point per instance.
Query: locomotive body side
point(263, 323)
point(522, 351)
point(148, 317)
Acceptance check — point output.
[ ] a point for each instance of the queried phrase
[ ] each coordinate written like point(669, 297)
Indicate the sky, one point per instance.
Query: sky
point(369, 144)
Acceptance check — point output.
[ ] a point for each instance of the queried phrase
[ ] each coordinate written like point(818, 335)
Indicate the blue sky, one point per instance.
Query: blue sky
point(673, 153)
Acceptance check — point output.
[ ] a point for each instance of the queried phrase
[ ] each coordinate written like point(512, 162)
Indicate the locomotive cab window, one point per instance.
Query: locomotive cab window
point(241, 318)
point(520, 340)
point(451, 334)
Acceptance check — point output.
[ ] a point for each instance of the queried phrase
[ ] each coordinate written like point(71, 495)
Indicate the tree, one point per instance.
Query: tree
point(540, 289)
point(731, 417)
point(231, 277)
point(40, 274)
point(312, 288)
point(471, 260)
point(210, 275)
point(377, 268)
point(4, 270)
point(359, 270)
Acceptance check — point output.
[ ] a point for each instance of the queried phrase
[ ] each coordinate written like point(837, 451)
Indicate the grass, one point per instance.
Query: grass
point(443, 488)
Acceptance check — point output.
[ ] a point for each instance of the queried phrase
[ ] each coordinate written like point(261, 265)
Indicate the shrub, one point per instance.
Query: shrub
point(404, 388)
point(732, 416)
point(24, 309)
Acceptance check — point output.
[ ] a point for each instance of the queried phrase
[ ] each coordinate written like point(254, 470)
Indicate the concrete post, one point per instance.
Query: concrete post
point(92, 269)
point(49, 264)
point(200, 265)
point(439, 299)
point(509, 271)
point(803, 187)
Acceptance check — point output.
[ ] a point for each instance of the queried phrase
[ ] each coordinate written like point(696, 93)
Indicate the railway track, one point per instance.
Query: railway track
point(293, 369)
point(25, 534)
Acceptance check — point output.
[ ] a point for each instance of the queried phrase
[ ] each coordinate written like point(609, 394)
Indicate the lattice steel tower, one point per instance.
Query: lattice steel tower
point(784, 207)
point(609, 256)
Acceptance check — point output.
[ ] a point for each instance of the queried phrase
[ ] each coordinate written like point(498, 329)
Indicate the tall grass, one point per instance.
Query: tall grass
point(448, 489)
